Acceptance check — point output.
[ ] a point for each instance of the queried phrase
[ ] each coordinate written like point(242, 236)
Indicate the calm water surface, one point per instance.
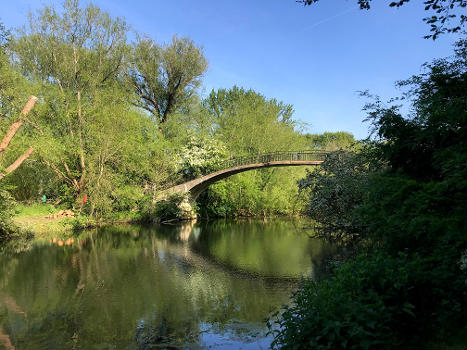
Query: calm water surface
point(193, 286)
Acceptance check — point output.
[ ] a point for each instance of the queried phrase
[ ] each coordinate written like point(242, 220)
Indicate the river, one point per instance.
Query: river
point(205, 285)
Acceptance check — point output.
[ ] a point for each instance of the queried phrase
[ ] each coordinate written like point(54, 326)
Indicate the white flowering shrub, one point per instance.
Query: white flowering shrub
point(201, 156)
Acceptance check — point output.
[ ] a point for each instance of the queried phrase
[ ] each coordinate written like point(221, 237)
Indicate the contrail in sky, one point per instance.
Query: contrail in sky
point(329, 18)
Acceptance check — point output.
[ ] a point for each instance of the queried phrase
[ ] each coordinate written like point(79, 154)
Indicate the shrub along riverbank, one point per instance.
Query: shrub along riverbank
point(404, 206)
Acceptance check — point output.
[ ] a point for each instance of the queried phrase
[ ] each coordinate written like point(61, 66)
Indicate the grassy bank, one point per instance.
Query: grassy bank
point(36, 218)
point(47, 222)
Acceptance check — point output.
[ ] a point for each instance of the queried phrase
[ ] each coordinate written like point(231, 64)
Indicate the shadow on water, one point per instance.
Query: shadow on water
point(173, 286)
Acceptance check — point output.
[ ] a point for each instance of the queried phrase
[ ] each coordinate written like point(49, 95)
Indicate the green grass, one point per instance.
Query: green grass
point(36, 209)
point(46, 229)
point(33, 218)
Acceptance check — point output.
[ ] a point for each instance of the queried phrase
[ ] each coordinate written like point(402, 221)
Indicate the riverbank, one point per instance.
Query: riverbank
point(43, 227)
point(42, 220)
point(46, 222)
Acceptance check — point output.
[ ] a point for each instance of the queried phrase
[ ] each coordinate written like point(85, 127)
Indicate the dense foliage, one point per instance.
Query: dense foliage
point(410, 290)
point(200, 156)
point(365, 305)
point(334, 191)
point(6, 210)
point(117, 121)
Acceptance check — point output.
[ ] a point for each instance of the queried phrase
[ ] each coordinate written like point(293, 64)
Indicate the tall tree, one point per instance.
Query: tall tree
point(248, 122)
point(74, 54)
point(165, 78)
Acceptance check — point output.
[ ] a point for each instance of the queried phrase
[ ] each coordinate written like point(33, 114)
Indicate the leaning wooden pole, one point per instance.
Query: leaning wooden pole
point(15, 165)
point(12, 130)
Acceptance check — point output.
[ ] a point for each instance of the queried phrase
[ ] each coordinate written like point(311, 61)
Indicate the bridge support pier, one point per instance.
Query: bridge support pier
point(186, 209)
point(174, 205)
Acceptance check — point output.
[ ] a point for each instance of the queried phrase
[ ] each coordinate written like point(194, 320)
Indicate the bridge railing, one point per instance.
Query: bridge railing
point(317, 155)
point(273, 157)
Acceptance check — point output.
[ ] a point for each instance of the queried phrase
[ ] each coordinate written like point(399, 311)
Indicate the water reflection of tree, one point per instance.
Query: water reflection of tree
point(277, 248)
point(9, 303)
point(96, 294)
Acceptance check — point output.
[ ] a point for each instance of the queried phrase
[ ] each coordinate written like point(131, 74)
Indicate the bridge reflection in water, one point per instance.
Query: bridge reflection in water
point(205, 285)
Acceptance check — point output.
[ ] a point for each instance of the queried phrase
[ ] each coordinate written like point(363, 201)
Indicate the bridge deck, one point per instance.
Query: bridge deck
point(218, 175)
point(238, 165)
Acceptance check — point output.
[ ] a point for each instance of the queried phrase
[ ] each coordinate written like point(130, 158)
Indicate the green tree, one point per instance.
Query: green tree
point(165, 78)
point(92, 138)
point(200, 156)
point(13, 95)
point(248, 124)
point(421, 198)
point(412, 214)
point(334, 191)
point(75, 54)
point(330, 141)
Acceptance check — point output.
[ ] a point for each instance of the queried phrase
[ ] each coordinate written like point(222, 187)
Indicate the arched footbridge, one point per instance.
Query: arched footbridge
point(240, 164)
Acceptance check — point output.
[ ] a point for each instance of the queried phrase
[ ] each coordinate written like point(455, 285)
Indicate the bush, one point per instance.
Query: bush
point(400, 213)
point(6, 210)
point(167, 210)
point(371, 302)
point(83, 222)
point(334, 191)
point(200, 156)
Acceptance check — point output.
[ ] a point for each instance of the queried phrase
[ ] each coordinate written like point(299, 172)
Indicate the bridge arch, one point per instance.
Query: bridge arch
point(238, 165)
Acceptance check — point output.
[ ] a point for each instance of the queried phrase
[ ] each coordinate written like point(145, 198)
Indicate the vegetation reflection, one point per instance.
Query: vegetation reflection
point(140, 287)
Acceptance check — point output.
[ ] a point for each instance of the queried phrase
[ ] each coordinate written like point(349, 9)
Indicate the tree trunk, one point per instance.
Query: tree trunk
point(81, 144)
point(16, 125)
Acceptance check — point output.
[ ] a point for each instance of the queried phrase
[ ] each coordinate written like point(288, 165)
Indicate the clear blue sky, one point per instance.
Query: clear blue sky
point(315, 58)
